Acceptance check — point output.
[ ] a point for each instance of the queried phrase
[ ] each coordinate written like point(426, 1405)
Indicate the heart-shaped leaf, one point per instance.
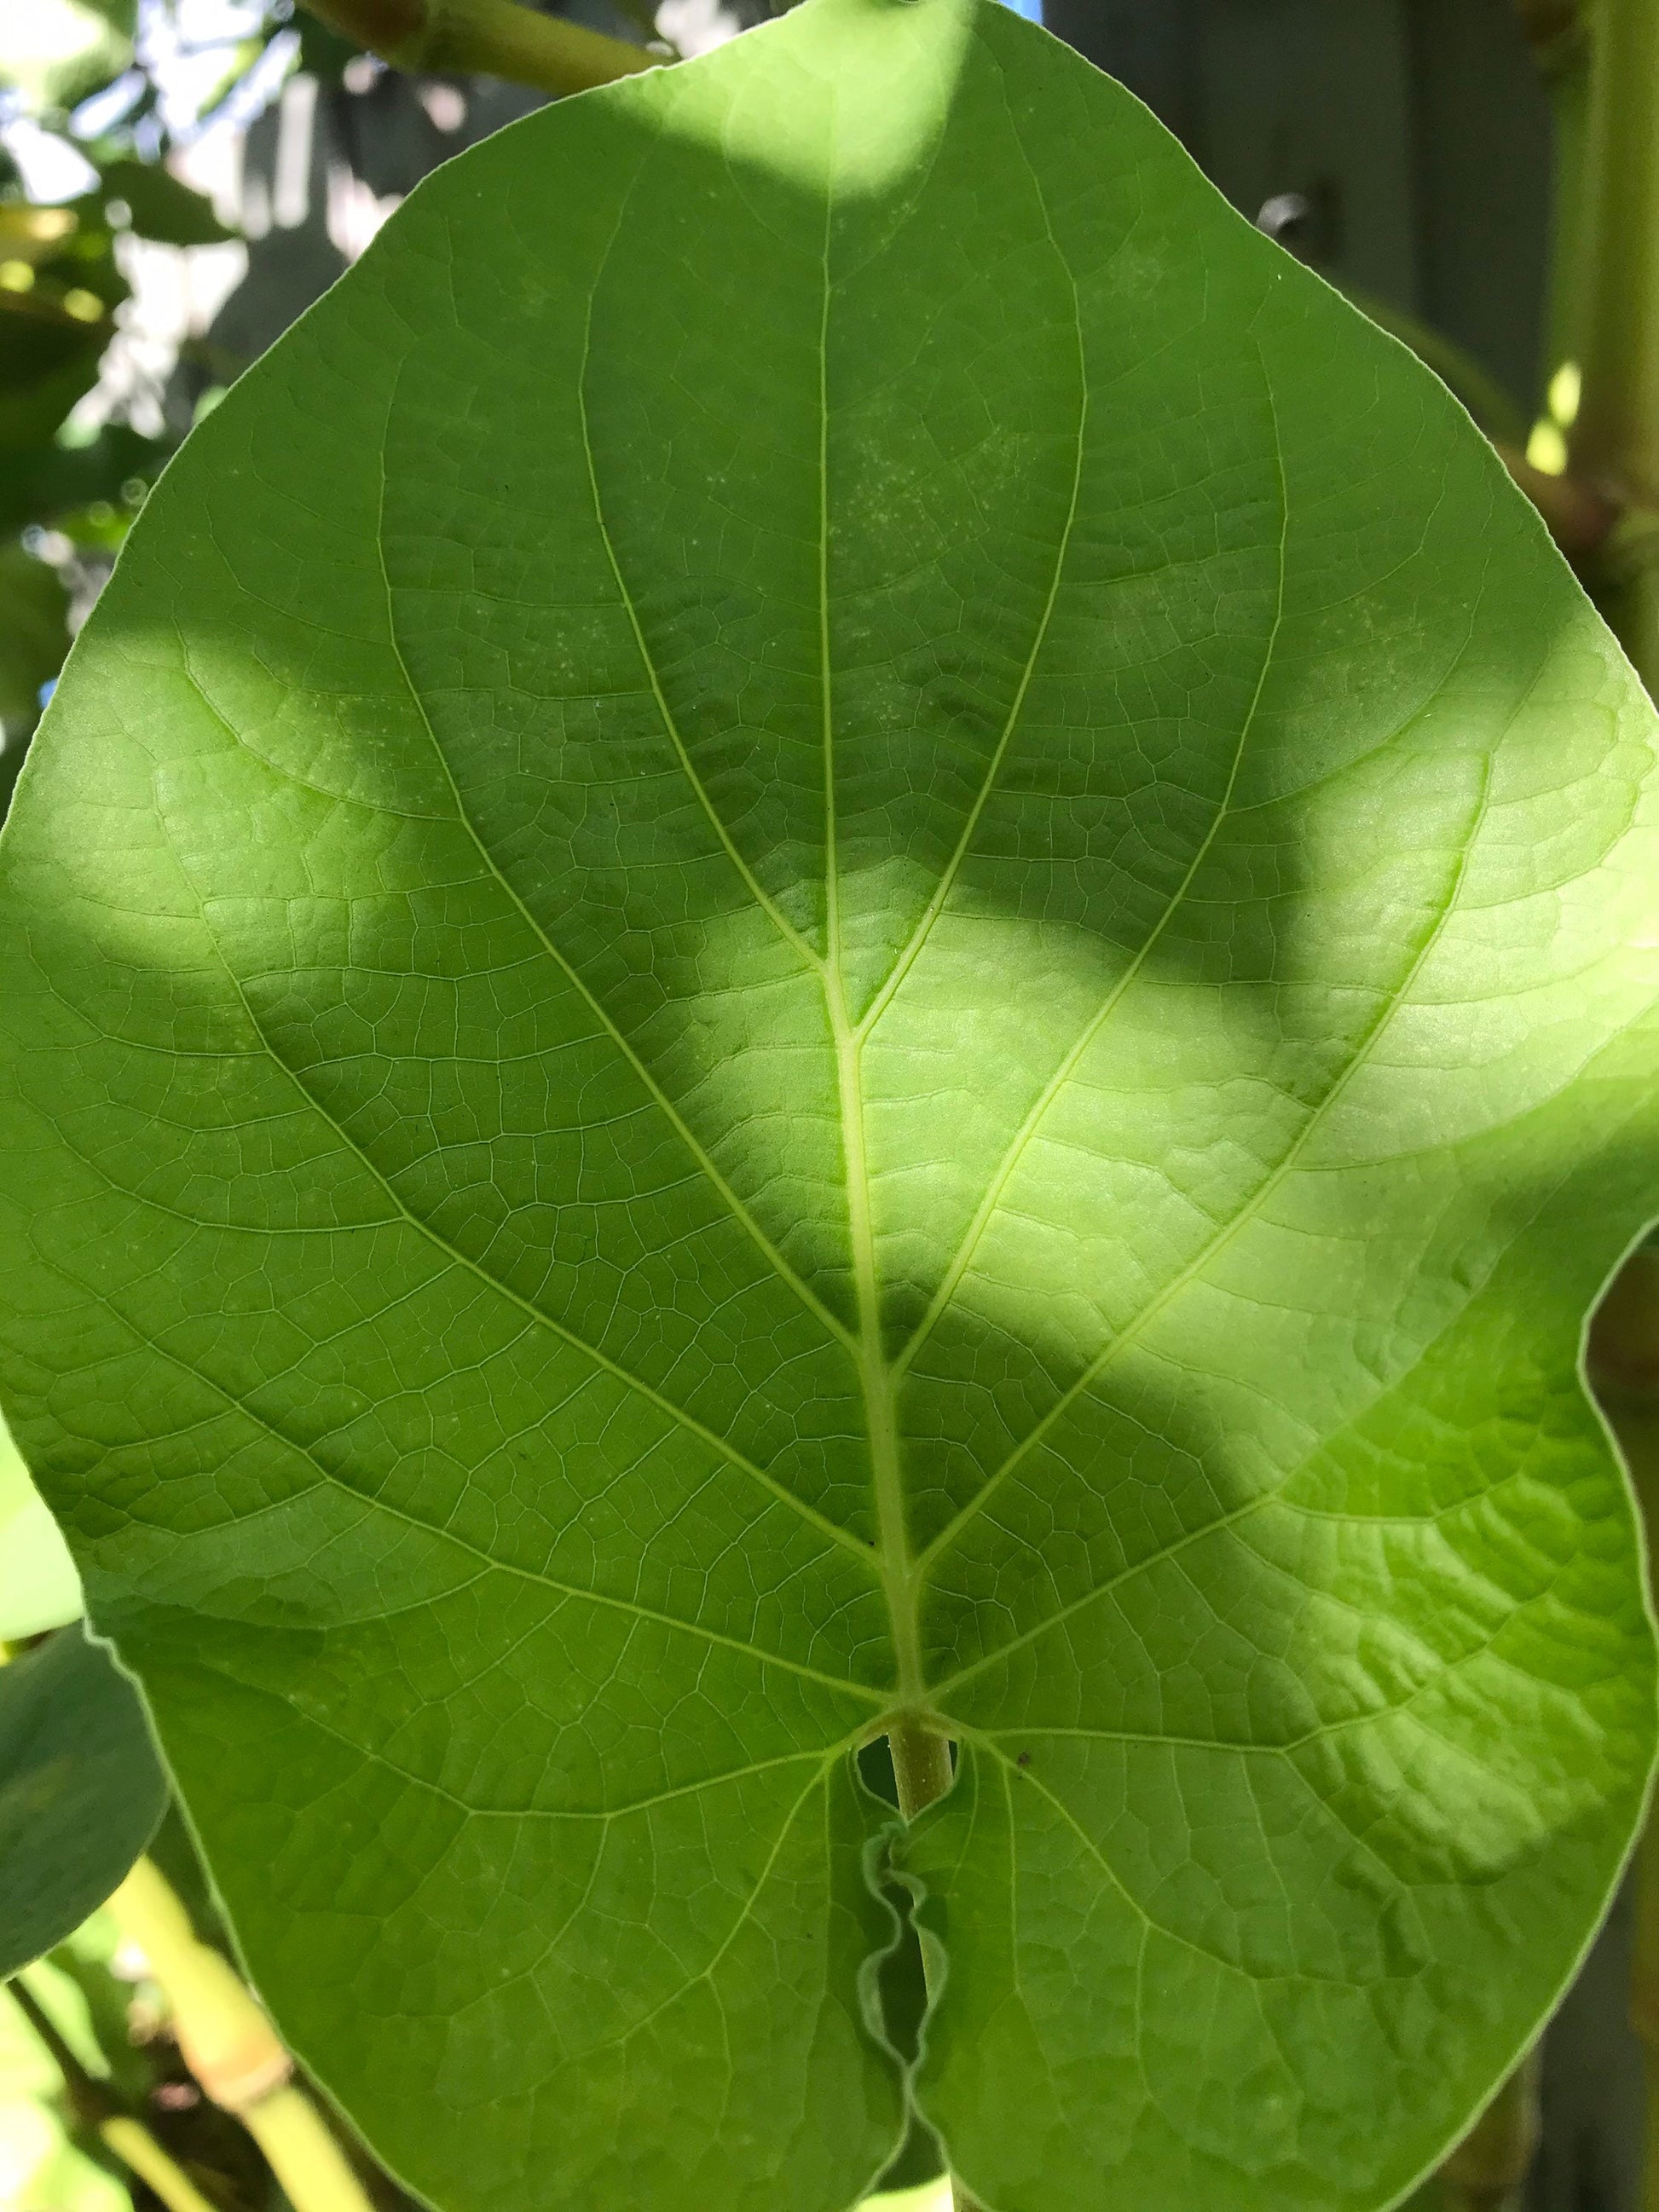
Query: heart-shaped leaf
point(838, 925)
point(81, 1791)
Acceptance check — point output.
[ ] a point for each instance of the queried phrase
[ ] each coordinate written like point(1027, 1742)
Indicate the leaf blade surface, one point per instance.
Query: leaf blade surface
point(950, 1011)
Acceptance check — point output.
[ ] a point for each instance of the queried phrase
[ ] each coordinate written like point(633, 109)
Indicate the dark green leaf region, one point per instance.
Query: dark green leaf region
point(838, 927)
point(81, 1791)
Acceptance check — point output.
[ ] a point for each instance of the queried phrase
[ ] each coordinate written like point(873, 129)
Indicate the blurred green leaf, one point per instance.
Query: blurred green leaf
point(161, 208)
point(57, 316)
point(33, 631)
point(120, 15)
point(323, 52)
point(81, 1791)
point(35, 234)
point(39, 2155)
point(57, 52)
point(57, 480)
point(43, 372)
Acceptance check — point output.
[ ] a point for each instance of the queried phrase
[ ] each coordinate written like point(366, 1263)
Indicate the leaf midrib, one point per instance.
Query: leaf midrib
point(880, 1412)
point(901, 1576)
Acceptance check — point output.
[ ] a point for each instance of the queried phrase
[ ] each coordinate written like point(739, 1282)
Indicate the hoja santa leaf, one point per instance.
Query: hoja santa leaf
point(835, 919)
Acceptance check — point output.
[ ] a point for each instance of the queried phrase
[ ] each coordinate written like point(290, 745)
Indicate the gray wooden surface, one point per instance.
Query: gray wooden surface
point(1416, 127)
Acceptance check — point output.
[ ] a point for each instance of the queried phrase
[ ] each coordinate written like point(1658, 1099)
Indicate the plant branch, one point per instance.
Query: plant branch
point(1555, 28)
point(498, 37)
point(1605, 283)
point(138, 2149)
point(232, 2048)
point(1615, 437)
point(303, 2153)
point(95, 2107)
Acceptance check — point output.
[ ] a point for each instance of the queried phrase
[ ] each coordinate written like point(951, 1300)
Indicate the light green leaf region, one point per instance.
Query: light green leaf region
point(836, 918)
point(39, 1586)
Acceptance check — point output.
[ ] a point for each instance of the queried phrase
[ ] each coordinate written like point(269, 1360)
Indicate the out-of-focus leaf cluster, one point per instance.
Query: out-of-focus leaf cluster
point(75, 72)
point(81, 72)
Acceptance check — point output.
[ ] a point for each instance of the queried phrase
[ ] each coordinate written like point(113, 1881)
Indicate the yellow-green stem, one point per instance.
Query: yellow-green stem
point(96, 2105)
point(232, 2048)
point(921, 1768)
point(227, 2041)
point(302, 2154)
point(497, 38)
point(137, 2148)
point(1567, 71)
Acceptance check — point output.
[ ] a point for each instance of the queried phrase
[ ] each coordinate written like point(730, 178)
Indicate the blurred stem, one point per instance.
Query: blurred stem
point(1488, 2170)
point(1606, 285)
point(1612, 291)
point(95, 2107)
point(227, 2042)
point(1564, 61)
point(1605, 288)
point(1623, 1362)
point(232, 2048)
point(496, 37)
point(134, 2145)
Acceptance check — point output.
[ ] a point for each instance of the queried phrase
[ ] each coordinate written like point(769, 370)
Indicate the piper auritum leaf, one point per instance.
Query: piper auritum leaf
point(839, 926)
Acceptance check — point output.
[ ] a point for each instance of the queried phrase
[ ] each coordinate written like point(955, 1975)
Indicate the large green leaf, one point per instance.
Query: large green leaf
point(835, 919)
point(81, 1791)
